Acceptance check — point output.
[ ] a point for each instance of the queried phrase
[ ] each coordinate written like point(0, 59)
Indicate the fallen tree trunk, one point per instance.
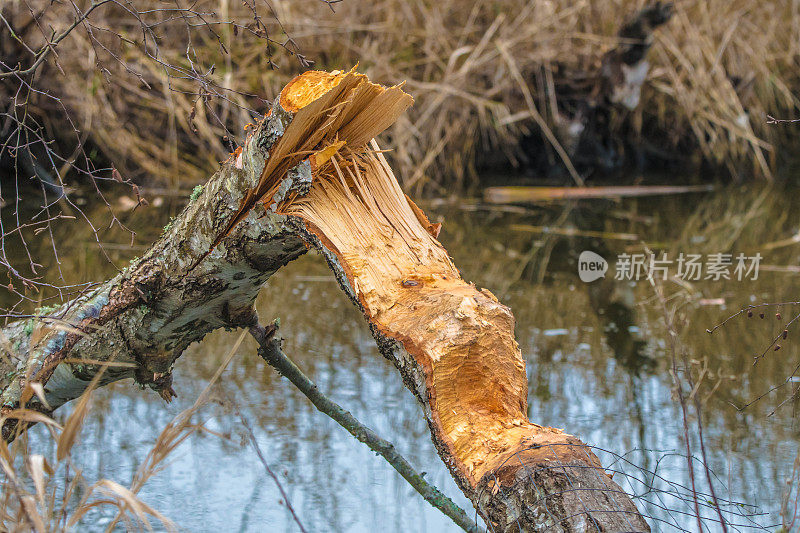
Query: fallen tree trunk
point(310, 174)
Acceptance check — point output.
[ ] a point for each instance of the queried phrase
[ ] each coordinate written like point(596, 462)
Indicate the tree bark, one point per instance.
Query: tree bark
point(310, 175)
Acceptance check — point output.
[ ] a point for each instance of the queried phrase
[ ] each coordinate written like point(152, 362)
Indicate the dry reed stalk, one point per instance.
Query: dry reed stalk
point(31, 501)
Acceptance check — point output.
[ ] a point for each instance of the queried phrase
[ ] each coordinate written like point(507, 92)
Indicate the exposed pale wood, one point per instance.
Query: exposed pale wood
point(455, 346)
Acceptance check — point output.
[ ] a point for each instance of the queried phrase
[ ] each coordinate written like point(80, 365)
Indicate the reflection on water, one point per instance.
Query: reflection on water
point(597, 364)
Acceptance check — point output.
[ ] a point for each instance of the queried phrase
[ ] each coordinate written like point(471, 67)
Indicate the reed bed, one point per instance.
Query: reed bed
point(483, 73)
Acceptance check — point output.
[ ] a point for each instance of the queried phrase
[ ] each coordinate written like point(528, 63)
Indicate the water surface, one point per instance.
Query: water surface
point(598, 365)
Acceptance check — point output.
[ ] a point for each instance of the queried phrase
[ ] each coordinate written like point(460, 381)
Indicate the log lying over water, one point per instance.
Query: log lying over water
point(311, 175)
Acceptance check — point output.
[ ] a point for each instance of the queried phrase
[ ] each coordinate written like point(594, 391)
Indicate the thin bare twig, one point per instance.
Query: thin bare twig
point(270, 350)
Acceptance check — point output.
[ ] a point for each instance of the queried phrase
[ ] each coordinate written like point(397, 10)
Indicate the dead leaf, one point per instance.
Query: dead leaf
point(33, 514)
point(37, 467)
point(73, 426)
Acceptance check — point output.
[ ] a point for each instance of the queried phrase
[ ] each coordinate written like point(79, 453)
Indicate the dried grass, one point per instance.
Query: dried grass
point(719, 66)
point(50, 495)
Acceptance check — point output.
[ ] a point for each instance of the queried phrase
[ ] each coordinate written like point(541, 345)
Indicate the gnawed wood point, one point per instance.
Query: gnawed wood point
point(461, 357)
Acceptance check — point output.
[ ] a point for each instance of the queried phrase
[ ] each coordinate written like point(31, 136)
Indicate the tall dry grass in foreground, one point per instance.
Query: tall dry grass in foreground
point(49, 494)
point(46, 495)
point(719, 66)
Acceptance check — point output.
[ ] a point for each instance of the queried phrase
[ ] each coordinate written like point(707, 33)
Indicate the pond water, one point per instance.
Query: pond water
point(598, 364)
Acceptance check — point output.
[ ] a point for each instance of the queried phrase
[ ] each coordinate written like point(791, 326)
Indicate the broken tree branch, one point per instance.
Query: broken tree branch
point(311, 175)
